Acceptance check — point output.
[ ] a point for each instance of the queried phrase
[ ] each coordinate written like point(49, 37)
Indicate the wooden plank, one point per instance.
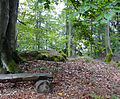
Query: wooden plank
point(24, 77)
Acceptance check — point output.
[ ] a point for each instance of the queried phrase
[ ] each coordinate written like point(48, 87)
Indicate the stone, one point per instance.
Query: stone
point(43, 86)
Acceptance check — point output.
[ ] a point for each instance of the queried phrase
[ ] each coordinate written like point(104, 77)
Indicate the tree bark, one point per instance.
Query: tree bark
point(67, 32)
point(69, 40)
point(91, 29)
point(109, 53)
point(107, 37)
point(8, 18)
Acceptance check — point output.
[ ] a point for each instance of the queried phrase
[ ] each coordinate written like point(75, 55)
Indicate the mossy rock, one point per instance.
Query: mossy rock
point(39, 57)
point(42, 56)
point(108, 58)
point(33, 53)
point(24, 54)
point(63, 54)
point(51, 55)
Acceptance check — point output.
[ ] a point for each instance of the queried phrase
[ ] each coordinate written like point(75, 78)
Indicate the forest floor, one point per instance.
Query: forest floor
point(74, 79)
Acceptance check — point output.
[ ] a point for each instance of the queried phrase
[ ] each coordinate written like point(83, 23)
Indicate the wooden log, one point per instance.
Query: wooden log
point(4, 78)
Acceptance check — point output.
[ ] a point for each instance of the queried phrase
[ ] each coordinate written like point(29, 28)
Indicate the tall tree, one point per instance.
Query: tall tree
point(8, 18)
point(107, 37)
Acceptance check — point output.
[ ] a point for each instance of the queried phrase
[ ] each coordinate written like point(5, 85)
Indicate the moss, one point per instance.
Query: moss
point(2, 71)
point(56, 59)
point(63, 54)
point(42, 56)
point(109, 55)
point(24, 54)
point(117, 64)
point(13, 67)
point(34, 53)
point(39, 57)
point(62, 59)
point(52, 70)
point(88, 59)
point(17, 58)
point(51, 55)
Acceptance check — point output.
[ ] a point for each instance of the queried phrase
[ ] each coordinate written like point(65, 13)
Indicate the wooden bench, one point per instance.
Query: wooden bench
point(42, 80)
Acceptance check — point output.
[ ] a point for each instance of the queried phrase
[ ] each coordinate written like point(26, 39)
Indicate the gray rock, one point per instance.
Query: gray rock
point(43, 86)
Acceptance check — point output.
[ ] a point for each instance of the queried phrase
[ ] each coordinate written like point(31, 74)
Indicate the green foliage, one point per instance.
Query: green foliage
point(88, 59)
point(39, 34)
point(117, 63)
point(63, 54)
point(102, 97)
point(109, 55)
point(40, 1)
point(43, 30)
point(115, 41)
point(52, 70)
point(96, 97)
point(83, 9)
point(43, 67)
point(114, 97)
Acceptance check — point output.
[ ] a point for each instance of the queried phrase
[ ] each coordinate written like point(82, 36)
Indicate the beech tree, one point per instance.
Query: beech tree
point(8, 18)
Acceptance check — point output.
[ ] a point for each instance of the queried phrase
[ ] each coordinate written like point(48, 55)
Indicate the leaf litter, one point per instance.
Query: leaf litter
point(71, 80)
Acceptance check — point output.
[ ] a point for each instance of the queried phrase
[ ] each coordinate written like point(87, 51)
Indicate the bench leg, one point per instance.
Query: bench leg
point(43, 86)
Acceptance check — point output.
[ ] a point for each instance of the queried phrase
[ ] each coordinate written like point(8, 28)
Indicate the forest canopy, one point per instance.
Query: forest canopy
point(90, 28)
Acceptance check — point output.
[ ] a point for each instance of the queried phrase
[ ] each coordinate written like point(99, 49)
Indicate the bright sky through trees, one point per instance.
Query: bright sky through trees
point(58, 7)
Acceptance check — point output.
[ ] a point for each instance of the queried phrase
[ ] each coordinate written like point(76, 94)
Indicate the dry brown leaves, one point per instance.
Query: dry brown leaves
point(72, 80)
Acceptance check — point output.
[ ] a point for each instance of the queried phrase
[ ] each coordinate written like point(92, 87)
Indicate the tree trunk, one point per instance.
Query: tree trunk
point(69, 40)
point(91, 49)
point(67, 32)
point(109, 53)
point(107, 37)
point(8, 17)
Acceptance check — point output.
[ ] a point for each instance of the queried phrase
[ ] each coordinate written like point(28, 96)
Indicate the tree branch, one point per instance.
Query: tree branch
point(21, 22)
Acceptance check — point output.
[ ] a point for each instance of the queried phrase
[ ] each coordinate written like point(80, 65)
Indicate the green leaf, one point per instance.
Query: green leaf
point(83, 9)
point(99, 17)
point(43, 67)
point(114, 10)
point(117, 7)
point(104, 21)
point(40, 1)
point(93, 6)
point(114, 3)
point(114, 97)
point(51, 70)
point(109, 15)
point(73, 15)
point(95, 22)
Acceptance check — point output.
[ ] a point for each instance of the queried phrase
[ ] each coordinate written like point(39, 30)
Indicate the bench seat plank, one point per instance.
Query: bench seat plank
point(24, 77)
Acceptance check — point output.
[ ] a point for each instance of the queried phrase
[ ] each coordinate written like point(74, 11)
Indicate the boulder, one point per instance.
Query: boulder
point(43, 86)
